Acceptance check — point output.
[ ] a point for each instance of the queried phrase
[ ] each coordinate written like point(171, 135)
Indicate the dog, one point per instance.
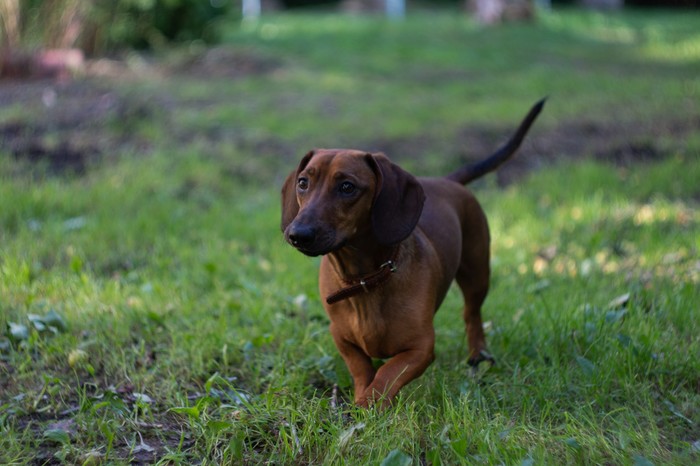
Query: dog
point(392, 244)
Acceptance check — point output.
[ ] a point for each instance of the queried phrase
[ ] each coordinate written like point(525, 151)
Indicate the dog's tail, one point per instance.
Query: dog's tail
point(471, 172)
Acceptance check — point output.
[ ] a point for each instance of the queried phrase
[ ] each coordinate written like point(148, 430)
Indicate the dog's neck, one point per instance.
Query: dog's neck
point(345, 264)
point(356, 260)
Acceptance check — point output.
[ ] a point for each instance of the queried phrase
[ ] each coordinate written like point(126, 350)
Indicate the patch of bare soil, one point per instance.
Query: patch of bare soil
point(226, 62)
point(70, 126)
point(67, 127)
point(620, 144)
point(143, 438)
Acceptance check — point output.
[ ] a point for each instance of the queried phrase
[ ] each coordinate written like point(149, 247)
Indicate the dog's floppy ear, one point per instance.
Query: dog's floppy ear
point(290, 206)
point(398, 201)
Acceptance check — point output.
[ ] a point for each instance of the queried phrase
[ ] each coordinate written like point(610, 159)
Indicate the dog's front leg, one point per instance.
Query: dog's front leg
point(358, 363)
point(393, 375)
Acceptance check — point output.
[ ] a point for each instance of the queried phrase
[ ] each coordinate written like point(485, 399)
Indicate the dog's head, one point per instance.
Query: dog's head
point(335, 196)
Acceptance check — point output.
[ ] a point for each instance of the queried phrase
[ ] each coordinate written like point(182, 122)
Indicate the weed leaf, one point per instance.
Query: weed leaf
point(460, 447)
point(346, 435)
point(619, 302)
point(54, 319)
point(397, 458)
point(433, 457)
point(51, 322)
point(504, 434)
point(76, 264)
point(75, 223)
point(142, 398)
point(37, 321)
point(192, 412)
point(539, 286)
point(573, 443)
point(612, 317)
point(624, 340)
point(587, 366)
point(235, 447)
point(210, 382)
point(676, 412)
point(215, 427)
point(641, 461)
point(77, 357)
point(623, 440)
point(17, 332)
point(57, 436)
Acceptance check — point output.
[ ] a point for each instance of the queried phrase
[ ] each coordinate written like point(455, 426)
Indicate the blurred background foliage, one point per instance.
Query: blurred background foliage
point(102, 26)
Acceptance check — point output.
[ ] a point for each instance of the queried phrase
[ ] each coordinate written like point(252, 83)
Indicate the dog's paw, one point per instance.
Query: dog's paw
point(479, 358)
point(477, 370)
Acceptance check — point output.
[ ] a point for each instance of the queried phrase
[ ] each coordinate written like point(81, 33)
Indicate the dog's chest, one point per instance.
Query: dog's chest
point(369, 333)
point(369, 327)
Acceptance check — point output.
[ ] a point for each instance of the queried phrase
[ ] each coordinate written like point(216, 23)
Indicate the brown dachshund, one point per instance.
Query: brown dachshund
point(391, 245)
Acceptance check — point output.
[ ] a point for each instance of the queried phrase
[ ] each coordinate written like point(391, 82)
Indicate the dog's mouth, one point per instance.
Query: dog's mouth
point(315, 251)
point(322, 244)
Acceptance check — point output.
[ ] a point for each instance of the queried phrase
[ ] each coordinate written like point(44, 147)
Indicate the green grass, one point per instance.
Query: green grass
point(154, 312)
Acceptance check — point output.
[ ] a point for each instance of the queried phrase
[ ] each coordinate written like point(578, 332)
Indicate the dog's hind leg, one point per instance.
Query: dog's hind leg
point(474, 283)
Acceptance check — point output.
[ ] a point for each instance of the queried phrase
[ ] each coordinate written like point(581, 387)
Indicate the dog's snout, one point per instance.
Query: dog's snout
point(302, 235)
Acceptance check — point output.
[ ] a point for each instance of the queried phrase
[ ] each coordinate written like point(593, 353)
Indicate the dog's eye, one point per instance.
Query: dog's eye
point(303, 184)
point(347, 188)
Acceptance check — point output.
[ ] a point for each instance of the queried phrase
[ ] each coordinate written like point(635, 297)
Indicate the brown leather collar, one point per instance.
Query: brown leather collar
point(366, 283)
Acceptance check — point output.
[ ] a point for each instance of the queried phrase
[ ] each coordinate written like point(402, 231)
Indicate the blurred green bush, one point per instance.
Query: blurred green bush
point(99, 26)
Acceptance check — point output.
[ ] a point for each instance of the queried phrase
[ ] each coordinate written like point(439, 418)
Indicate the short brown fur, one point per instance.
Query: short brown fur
point(359, 210)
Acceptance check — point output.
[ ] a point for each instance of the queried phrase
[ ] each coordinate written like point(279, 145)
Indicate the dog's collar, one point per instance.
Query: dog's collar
point(367, 283)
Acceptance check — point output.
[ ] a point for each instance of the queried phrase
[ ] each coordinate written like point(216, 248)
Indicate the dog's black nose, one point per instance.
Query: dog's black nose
point(302, 235)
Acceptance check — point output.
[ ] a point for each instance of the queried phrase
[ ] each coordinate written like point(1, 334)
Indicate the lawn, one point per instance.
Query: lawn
point(151, 312)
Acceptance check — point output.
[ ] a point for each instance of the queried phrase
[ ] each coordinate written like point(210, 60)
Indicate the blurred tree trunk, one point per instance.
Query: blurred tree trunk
point(9, 23)
point(497, 11)
point(63, 22)
point(9, 36)
point(60, 23)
